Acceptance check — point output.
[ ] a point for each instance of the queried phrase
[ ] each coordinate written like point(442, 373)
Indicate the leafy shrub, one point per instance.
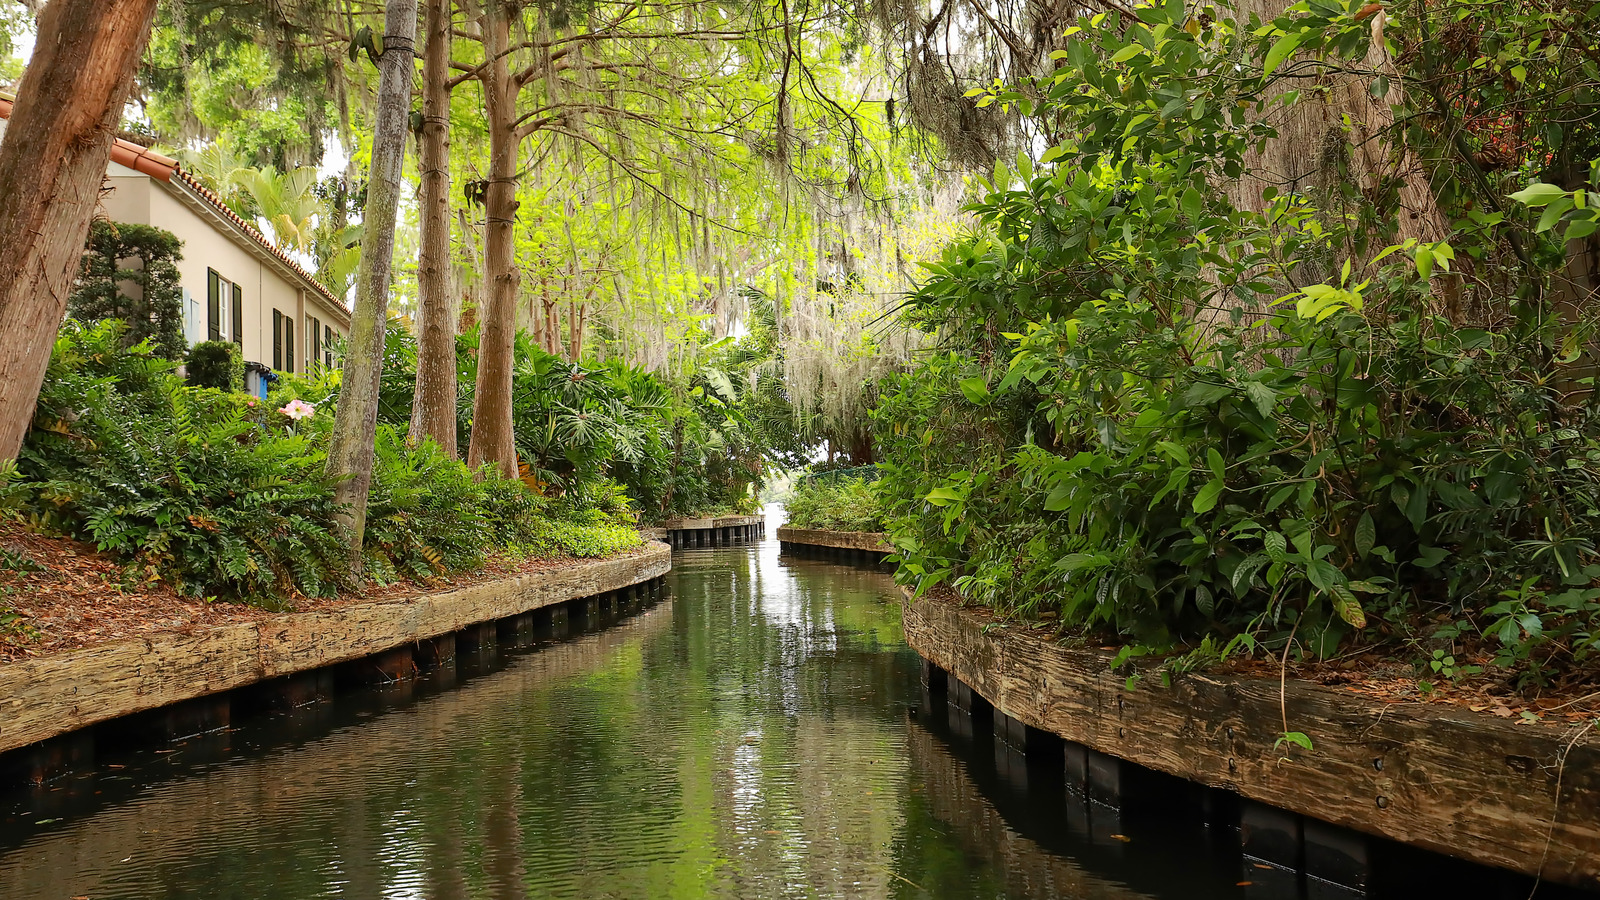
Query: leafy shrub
point(1179, 422)
point(834, 504)
point(215, 364)
point(179, 481)
point(223, 495)
point(153, 309)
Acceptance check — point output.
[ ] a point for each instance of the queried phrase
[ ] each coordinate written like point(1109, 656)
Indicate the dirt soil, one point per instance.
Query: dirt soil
point(58, 594)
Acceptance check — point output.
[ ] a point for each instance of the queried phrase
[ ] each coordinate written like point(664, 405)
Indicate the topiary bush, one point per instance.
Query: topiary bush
point(215, 364)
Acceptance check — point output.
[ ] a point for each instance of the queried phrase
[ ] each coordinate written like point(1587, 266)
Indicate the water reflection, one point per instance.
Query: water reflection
point(760, 733)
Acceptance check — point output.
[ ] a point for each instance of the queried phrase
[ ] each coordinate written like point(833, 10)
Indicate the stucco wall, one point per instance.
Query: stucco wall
point(137, 198)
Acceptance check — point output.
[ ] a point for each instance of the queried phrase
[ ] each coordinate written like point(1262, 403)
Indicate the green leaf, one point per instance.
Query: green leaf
point(1293, 737)
point(1280, 51)
point(1366, 535)
point(1553, 214)
point(1178, 454)
point(1205, 499)
point(975, 389)
point(943, 496)
point(1276, 544)
point(1263, 397)
point(1538, 194)
point(1428, 557)
point(1214, 460)
point(1192, 203)
point(1127, 53)
point(1348, 606)
point(1323, 574)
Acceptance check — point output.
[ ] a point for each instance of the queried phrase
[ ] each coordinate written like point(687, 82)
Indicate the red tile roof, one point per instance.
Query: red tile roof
point(162, 168)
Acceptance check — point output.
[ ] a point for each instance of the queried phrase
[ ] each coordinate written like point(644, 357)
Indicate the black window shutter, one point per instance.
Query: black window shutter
point(238, 315)
point(213, 305)
point(314, 351)
point(277, 339)
point(327, 345)
point(288, 343)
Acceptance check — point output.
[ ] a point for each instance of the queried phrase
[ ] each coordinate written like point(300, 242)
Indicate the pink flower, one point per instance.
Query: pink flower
point(299, 409)
point(249, 403)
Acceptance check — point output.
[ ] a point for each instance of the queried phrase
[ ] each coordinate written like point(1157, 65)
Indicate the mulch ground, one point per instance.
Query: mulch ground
point(66, 595)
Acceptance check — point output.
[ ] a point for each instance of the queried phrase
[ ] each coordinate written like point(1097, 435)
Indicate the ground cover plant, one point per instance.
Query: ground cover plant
point(1188, 409)
point(835, 502)
point(225, 495)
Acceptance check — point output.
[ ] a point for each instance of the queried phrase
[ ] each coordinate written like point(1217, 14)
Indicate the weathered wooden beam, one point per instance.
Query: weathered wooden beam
point(47, 696)
point(1434, 776)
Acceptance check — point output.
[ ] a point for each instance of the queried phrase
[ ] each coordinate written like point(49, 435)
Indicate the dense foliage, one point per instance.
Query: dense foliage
point(700, 447)
point(224, 495)
point(130, 272)
point(1189, 415)
point(834, 504)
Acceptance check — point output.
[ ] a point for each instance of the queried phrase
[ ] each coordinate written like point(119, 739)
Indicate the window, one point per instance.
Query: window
point(282, 341)
point(216, 310)
point(313, 341)
point(224, 309)
point(327, 346)
point(277, 339)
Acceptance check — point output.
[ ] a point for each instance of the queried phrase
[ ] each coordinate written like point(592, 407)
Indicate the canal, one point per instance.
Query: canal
point(760, 732)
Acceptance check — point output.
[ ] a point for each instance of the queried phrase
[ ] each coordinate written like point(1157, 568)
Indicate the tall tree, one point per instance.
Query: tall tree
point(493, 438)
point(355, 428)
point(51, 164)
point(433, 404)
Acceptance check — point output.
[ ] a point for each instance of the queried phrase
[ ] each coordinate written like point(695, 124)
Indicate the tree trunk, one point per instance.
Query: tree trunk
point(51, 165)
point(493, 440)
point(433, 404)
point(1314, 141)
point(355, 428)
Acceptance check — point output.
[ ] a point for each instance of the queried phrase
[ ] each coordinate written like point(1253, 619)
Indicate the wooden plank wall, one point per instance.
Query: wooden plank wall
point(56, 694)
point(1436, 776)
point(843, 540)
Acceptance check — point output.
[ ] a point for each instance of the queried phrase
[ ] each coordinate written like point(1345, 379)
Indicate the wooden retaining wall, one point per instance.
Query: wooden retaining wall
point(1468, 785)
point(870, 541)
point(85, 859)
point(50, 696)
point(722, 531)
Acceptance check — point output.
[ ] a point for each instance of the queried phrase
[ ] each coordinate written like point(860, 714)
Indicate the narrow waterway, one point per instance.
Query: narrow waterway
point(760, 732)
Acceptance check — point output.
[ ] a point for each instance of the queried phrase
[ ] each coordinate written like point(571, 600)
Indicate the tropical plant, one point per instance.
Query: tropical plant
point(1174, 418)
point(835, 504)
point(224, 495)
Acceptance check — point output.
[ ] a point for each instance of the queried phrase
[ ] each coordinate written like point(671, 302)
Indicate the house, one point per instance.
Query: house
point(237, 285)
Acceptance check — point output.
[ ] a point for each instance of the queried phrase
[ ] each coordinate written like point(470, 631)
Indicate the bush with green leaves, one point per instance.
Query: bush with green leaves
point(215, 364)
point(224, 495)
point(1176, 422)
point(130, 272)
point(834, 504)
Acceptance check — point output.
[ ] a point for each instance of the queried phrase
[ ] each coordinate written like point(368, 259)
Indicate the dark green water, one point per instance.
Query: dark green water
point(759, 733)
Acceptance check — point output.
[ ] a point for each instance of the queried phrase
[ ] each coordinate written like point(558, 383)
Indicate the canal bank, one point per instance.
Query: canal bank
point(294, 658)
point(859, 546)
point(716, 531)
point(759, 729)
point(1519, 797)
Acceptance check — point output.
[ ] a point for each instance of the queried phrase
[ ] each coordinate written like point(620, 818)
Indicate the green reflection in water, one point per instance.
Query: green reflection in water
point(747, 737)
